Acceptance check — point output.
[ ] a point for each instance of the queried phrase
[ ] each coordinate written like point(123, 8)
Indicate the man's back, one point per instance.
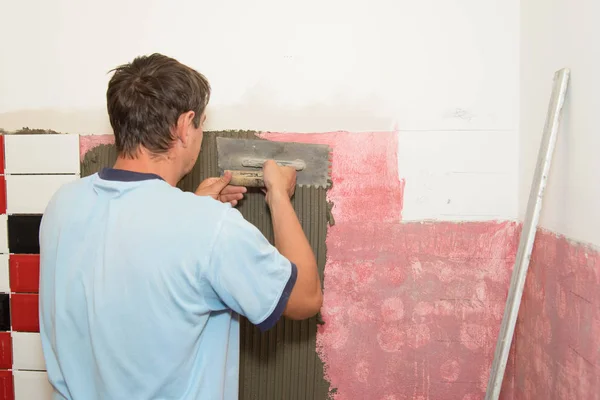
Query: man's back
point(138, 283)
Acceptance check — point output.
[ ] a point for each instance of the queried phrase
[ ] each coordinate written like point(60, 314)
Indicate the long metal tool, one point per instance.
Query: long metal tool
point(245, 158)
point(532, 216)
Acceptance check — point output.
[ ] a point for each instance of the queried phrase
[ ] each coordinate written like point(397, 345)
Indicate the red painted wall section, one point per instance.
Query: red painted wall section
point(558, 331)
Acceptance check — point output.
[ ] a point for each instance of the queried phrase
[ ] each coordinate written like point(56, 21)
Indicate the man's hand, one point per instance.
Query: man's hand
point(279, 181)
point(219, 189)
point(306, 297)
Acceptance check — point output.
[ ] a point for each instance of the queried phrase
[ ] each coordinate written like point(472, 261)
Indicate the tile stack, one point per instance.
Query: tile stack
point(32, 168)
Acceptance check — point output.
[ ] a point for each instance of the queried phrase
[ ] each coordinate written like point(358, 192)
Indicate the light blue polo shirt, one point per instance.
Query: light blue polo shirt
point(141, 286)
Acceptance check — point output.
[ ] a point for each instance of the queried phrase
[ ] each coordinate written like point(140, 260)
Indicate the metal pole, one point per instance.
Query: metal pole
point(530, 224)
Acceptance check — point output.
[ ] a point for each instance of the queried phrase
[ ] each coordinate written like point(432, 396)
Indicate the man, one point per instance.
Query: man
point(141, 284)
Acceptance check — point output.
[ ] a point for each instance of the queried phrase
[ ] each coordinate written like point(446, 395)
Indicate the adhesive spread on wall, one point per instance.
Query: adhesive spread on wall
point(281, 363)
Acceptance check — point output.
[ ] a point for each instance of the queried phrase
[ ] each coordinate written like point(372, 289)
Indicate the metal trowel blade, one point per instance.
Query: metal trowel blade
point(310, 160)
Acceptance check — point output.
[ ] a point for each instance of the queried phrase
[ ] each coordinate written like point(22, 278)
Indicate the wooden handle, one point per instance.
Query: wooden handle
point(247, 179)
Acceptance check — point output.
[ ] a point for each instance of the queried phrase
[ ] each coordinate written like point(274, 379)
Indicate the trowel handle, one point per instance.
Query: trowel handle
point(247, 178)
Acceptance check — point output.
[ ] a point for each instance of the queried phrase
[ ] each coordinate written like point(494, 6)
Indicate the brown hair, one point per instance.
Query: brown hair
point(146, 97)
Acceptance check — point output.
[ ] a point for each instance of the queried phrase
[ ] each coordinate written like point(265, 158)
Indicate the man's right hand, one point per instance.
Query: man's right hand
point(306, 297)
point(279, 181)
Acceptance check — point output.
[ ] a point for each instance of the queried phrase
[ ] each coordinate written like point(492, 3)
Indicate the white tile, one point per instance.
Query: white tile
point(42, 154)
point(4, 280)
point(27, 351)
point(30, 385)
point(30, 194)
point(3, 234)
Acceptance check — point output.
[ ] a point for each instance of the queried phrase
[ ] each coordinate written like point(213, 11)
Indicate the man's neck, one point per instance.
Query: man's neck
point(147, 165)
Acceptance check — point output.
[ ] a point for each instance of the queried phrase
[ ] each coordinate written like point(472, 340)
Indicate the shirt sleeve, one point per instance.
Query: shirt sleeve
point(248, 274)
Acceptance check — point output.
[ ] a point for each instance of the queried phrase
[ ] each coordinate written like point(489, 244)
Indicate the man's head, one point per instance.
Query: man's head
point(156, 106)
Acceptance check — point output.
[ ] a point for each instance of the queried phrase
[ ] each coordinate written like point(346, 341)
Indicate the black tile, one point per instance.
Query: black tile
point(23, 234)
point(4, 312)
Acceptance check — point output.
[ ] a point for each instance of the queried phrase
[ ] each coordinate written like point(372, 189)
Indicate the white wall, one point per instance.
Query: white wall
point(557, 34)
point(444, 73)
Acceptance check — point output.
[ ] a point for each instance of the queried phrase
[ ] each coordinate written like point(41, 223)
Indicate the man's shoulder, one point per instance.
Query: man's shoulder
point(72, 190)
point(185, 207)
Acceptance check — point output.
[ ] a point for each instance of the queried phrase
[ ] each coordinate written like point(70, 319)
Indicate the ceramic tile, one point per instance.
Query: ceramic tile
point(5, 350)
point(3, 233)
point(27, 351)
point(1, 154)
point(6, 385)
point(2, 194)
point(23, 234)
point(24, 273)
point(30, 194)
point(4, 275)
point(28, 154)
point(24, 312)
point(4, 312)
point(31, 385)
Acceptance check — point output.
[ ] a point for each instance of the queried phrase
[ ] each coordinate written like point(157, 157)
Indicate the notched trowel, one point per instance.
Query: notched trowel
point(245, 159)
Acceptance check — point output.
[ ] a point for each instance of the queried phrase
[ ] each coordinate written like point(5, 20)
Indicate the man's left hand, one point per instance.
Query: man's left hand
point(219, 189)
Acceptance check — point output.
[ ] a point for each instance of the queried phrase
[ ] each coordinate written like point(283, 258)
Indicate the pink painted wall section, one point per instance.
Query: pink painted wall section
point(558, 331)
point(412, 311)
point(415, 316)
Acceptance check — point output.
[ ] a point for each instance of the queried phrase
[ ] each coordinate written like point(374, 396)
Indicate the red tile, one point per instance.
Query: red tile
point(24, 273)
point(1, 154)
point(5, 350)
point(24, 312)
point(6, 385)
point(2, 195)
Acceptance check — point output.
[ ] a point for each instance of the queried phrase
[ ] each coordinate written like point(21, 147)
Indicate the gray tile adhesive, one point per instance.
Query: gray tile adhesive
point(281, 364)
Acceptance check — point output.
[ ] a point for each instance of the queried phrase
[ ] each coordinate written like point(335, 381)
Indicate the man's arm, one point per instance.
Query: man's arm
point(306, 298)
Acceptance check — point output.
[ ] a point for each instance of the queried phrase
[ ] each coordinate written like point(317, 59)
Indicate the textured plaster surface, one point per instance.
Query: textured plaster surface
point(415, 315)
point(558, 330)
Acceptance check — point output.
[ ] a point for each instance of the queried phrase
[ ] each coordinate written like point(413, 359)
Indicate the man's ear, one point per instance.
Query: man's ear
point(183, 125)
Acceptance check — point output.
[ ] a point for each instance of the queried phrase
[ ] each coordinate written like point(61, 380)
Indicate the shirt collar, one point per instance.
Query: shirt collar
point(121, 175)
